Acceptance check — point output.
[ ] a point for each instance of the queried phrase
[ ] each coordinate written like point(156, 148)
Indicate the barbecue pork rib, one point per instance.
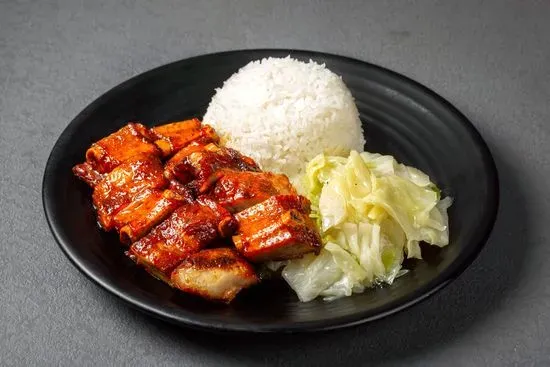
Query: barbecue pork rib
point(178, 198)
point(133, 139)
point(124, 184)
point(216, 274)
point(190, 228)
point(278, 228)
point(147, 210)
point(239, 190)
point(196, 163)
point(170, 138)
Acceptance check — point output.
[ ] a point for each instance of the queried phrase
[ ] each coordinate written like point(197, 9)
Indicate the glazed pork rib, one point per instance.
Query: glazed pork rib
point(124, 184)
point(125, 171)
point(196, 164)
point(147, 210)
point(133, 139)
point(239, 190)
point(176, 215)
point(279, 228)
point(216, 274)
point(136, 139)
point(170, 138)
point(187, 230)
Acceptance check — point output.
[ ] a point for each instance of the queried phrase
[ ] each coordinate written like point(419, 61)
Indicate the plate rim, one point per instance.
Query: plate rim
point(421, 294)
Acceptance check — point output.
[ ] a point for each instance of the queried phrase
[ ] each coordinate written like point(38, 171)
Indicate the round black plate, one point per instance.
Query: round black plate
point(400, 117)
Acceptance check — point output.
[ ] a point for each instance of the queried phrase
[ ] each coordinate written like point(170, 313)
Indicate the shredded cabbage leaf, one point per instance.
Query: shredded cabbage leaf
point(371, 212)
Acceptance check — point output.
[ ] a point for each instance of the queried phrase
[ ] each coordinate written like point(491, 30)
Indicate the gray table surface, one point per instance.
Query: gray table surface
point(490, 58)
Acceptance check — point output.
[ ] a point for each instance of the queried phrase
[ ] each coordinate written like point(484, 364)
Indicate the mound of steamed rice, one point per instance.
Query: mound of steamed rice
point(283, 112)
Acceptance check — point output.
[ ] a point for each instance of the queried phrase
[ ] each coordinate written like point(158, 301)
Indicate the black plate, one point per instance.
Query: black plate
point(400, 117)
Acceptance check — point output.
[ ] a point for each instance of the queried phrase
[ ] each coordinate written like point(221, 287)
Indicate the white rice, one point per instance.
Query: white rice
point(283, 112)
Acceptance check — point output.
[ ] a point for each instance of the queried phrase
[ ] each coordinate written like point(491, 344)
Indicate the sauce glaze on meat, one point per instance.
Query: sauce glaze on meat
point(177, 198)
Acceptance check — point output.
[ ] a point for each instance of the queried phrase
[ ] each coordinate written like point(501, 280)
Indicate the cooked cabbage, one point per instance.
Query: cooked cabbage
point(371, 211)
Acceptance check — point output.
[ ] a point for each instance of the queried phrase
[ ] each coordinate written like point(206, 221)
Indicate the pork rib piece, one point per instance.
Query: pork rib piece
point(147, 210)
point(172, 137)
point(133, 139)
point(239, 190)
point(196, 163)
point(123, 184)
point(216, 274)
point(278, 228)
point(187, 230)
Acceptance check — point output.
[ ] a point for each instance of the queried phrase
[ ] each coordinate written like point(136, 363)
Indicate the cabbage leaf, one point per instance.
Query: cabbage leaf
point(371, 212)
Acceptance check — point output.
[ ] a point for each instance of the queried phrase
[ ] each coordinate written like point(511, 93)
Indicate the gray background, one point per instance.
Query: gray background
point(489, 58)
